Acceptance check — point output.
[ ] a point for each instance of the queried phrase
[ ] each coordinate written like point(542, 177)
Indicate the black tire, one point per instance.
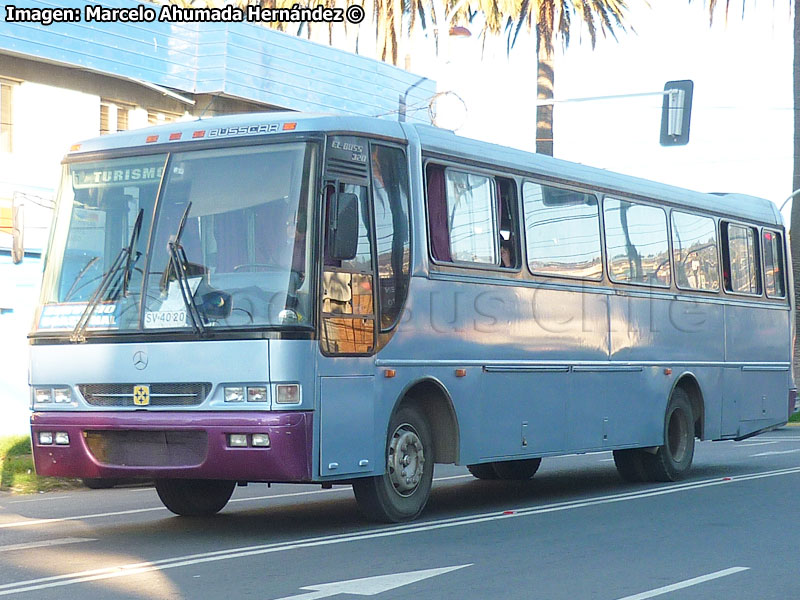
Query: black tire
point(630, 465)
point(517, 469)
point(400, 495)
point(483, 471)
point(99, 484)
point(673, 459)
point(194, 497)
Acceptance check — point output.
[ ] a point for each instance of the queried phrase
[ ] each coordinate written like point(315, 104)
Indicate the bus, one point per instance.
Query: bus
point(347, 300)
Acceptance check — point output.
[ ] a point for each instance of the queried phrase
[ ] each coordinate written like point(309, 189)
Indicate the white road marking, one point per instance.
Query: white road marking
point(38, 499)
point(45, 544)
point(126, 570)
point(606, 460)
point(135, 511)
point(370, 586)
point(749, 445)
point(684, 584)
point(775, 452)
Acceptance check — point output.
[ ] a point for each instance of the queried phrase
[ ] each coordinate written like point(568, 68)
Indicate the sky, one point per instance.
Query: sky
point(741, 127)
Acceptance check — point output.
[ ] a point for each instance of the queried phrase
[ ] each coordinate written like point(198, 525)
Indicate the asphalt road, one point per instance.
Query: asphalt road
point(575, 532)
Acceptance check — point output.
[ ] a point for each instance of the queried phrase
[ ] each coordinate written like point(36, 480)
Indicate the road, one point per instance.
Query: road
point(575, 531)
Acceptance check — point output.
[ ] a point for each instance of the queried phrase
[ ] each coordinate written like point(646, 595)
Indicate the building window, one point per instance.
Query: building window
point(6, 117)
point(113, 117)
point(159, 117)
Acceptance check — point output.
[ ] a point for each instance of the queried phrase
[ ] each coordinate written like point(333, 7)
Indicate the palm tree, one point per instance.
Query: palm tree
point(552, 20)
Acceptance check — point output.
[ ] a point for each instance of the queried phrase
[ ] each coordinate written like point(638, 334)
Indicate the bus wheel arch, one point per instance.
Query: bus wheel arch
point(431, 399)
point(689, 384)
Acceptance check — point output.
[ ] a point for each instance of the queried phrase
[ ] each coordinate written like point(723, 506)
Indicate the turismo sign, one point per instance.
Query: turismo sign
point(96, 177)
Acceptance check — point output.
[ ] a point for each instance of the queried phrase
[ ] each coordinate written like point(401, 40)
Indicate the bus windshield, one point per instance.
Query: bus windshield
point(237, 216)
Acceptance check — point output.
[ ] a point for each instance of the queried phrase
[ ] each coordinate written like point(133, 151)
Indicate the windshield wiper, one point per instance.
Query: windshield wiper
point(122, 260)
point(178, 263)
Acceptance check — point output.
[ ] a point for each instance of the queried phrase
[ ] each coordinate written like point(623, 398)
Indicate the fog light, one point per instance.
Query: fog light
point(287, 393)
point(45, 437)
point(62, 395)
point(43, 395)
point(261, 440)
point(234, 394)
point(237, 440)
point(62, 438)
point(257, 394)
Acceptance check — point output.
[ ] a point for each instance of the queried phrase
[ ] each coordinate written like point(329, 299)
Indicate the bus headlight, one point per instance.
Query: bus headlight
point(261, 440)
point(62, 395)
point(234, 394)
point(257, 394)
point(62, 438)
point(45, 438)
point(43, 395)
point(287, 393)
point(237, 440)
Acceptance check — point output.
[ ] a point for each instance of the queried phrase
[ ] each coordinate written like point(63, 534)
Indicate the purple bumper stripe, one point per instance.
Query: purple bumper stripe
point(288, 459)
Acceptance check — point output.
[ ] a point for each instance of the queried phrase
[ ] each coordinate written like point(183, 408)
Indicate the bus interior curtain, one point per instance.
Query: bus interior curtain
point(437, 213)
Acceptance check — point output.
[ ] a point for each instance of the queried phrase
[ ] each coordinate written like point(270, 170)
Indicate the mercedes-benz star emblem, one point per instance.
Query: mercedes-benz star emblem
point(140, 359)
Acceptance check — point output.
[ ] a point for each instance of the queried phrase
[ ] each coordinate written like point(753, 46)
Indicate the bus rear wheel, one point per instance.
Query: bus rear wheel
point(517, 469)
point(400, 494)
point(194, 497)
point(673, 459)
point(483, 471)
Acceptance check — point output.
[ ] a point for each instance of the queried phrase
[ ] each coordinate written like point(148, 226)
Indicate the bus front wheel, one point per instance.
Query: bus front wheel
point(194, 497)
point(400, 494)
point(517, 469)
point(673, 459)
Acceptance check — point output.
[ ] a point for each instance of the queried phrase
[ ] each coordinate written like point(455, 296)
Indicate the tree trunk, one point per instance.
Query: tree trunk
point(794, 234)
point(544, 91)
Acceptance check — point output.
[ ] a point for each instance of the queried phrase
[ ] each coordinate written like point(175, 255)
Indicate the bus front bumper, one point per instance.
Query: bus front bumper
point(185, 445)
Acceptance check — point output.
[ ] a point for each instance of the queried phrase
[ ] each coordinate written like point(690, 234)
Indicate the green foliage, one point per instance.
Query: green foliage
point(16, 469)
point(795, 418)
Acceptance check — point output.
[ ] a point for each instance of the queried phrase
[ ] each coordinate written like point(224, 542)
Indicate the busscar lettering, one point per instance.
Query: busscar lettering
point(244, 130)
point(103, 14)
point(43, 16)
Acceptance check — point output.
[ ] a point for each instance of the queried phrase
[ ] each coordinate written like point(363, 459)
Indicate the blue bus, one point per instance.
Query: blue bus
point(330, 299)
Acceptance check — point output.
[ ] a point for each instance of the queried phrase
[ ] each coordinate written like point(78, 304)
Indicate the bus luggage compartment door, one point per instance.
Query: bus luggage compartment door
point(347, 425)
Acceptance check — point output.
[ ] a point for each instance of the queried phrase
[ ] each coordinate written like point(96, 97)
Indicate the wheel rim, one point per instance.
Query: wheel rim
point(677, 435)
point(406, 460)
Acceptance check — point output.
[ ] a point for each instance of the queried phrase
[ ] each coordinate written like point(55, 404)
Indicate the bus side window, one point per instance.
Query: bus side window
point(636, 243)
point(462, 215)
point(507, 209)
point(774, 279)
point(390, 196)
point(740, 259)
point(562, 232)
point(694, 251)
point(348, 321)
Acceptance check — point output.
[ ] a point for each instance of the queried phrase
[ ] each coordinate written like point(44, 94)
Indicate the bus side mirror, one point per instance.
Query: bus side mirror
point(343, 227)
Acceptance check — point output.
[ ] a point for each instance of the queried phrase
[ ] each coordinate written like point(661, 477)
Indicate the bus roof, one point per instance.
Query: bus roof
point(433, 140)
